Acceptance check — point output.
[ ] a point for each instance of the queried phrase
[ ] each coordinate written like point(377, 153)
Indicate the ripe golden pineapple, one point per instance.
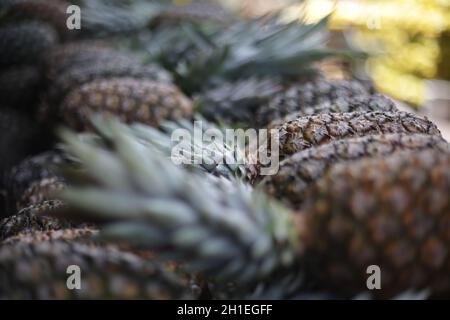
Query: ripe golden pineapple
point(300, 171)
point(130, 99)
point(393, 212)
point(306, 132)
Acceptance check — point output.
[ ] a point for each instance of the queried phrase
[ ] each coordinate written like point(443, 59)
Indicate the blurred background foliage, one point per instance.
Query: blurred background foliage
point(408, 42)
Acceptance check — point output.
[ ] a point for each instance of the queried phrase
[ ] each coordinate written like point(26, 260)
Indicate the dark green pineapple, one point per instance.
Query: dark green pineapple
point(25, 42)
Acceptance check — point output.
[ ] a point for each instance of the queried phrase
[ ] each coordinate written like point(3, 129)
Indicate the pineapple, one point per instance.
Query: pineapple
point(39, 191)
point(20, 86)
point(260, 102)
point(277, 111)
point(132, 100)
point(68, 234)
point(34, 179)
point(51, 12)
point(25, 43)
point(120, 66)
point(391, 210)
point(306, 132)
point(73, 55)
point(37, 270)
point(33, 218)
point(303, 169)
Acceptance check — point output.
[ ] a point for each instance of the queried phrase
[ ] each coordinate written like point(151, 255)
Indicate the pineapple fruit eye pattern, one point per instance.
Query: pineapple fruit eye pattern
point(87, 116)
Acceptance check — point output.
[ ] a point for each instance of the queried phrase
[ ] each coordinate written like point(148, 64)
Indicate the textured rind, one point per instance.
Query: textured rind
point(393, 212)
point(110, 68)
point(319, 96)
point(362, 103)
point(33, 170)
point(25, 43)
point(68, 234)
point(129, 99)
point(306, 132)
point(302, 169)
point(73, 55)
point(33, 218)
point(40, 191)
point(38, 270)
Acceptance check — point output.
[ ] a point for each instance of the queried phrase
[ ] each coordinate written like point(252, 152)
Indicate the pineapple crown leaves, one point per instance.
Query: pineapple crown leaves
point(258, 47)
point(238, 234)
point(196, 154)
point(118, 16)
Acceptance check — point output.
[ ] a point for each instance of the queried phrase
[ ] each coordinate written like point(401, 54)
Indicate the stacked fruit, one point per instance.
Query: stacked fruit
point(359, 183)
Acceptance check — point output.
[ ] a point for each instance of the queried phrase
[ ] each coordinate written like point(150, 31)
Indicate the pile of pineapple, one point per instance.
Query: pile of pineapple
point(86, 121)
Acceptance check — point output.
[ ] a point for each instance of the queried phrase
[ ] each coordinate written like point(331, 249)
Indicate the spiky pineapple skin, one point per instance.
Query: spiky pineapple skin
point(38, 270)
point(68, 234)
point(35, 170)
point(33, 218)
point(39, 191)
point(131, 100)
point(25, 43)
point(393, 212)
point(306, 132)
point(79, 75)
point(362, 103)
point(321, 96)
point(73, 55)
point(303, 169)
